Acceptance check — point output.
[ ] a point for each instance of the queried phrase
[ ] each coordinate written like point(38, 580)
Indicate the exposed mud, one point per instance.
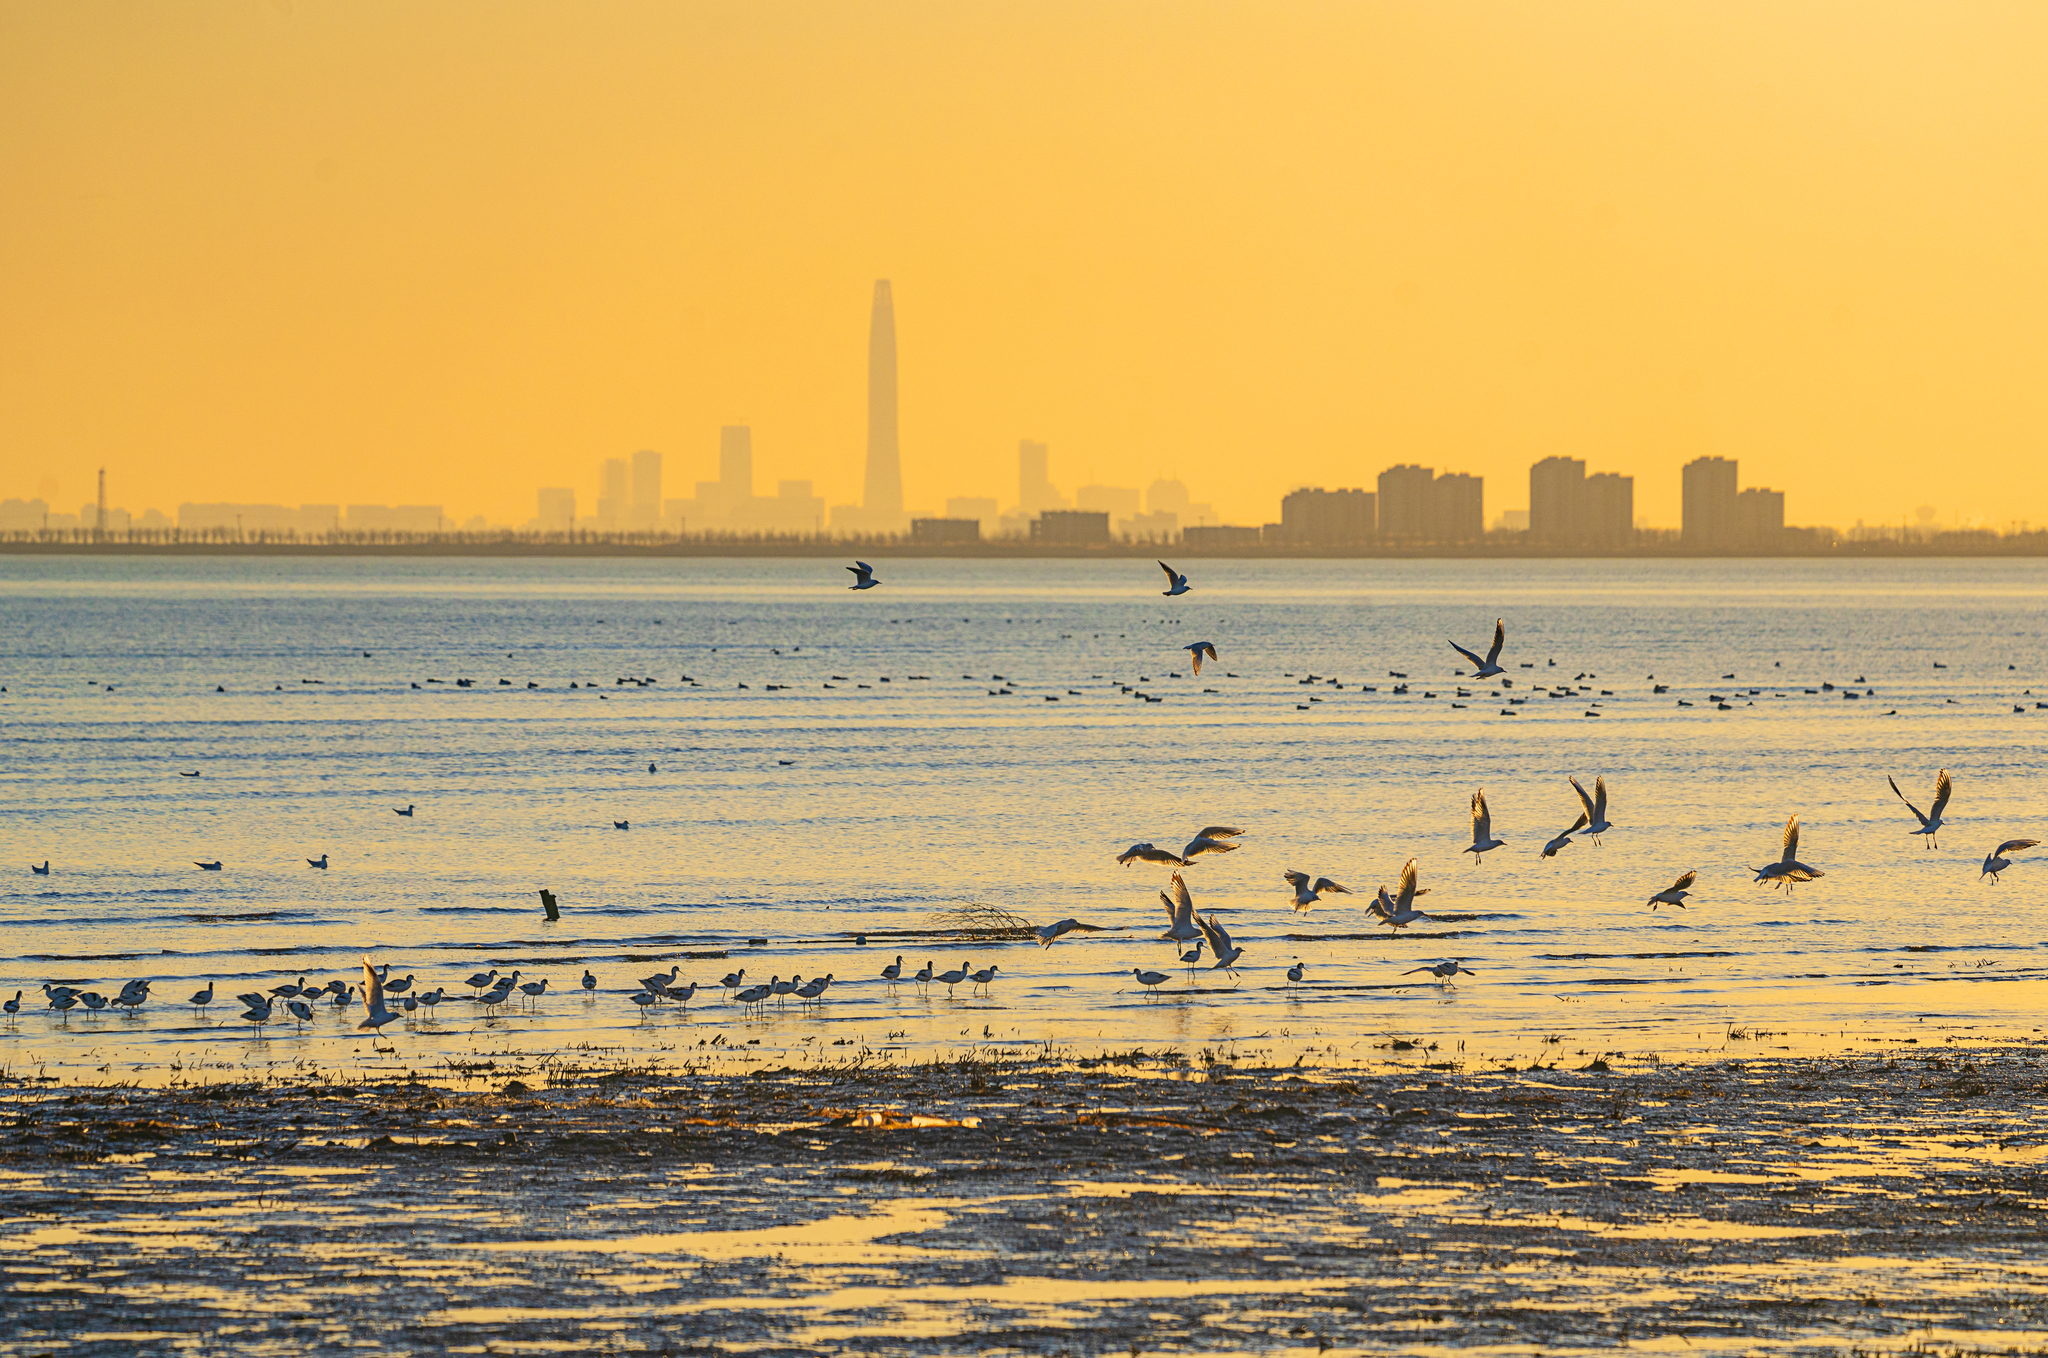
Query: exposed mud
point(1129, 1205)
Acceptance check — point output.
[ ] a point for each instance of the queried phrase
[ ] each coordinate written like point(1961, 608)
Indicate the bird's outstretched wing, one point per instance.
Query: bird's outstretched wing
point(1405, 896)
point(1792, 837)
point(1482, 819)
point(1500, 639)
point(1576, 825)
point(1902, 797)
point(1171, 578)
point(1685, 883)
point(1942, 788)
point(1297, 880)
point(1218, 939)
point(1218, 832)
point(1167, 901)
point(1600, 798)
point(2013, 846)
point(1326, 884)
point(1181, 897)
point(1477, 663)
point(1584, 800)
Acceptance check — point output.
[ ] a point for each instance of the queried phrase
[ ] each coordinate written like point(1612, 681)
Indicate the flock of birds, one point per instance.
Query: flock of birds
point(386, 1000)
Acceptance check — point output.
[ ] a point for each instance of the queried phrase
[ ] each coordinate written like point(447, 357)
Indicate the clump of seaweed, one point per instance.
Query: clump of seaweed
point(978, 920)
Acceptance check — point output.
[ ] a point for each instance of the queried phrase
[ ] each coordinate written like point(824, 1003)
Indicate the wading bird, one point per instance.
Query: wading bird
point(1930, 824)
point(1487, 668)
point(1149, 979)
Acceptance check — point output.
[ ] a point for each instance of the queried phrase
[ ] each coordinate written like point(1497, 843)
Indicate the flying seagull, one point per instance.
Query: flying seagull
point(1596, 808)
point(1204, 843)
point(1550, 849)
point(1996, 861)
point(1180, 913)
point(1219, 943)
point(863, 576)
point(1676, 893)
point(1052, 933)
point(1788, 869)
point(1145, 852)
point(1490, 666)
point(1307, 893)
point(1176, 583)
point(1930, 824)
point(1197, 650)
point(375, 1015)
point(1400, 911)
point(1482, 829)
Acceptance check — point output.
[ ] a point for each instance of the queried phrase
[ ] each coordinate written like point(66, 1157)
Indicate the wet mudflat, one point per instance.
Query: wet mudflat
point(1132, 1204)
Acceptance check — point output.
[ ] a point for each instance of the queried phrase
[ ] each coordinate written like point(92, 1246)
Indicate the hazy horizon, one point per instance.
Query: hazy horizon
point(311, 253)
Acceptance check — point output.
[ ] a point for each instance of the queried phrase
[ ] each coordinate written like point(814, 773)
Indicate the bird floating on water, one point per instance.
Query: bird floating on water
point(1996, 861)
point(1676, 893)
point(320, 862)
point(1482, 829)
point(1788, 870)
point(1487, 668)
point(863, 576)
point(210, 867)
point(1176, 583)
point(407, 812)
point(43, 871)
point(1930, 824)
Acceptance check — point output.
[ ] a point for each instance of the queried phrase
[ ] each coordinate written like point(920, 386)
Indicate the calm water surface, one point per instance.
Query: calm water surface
point(829, 764)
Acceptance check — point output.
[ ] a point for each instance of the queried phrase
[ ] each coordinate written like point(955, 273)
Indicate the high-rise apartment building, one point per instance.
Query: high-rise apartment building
point(646, 510)
point(556, 510)
point(1708, 503)
point(1457, 508)
point(883, 496)
point(1760, 519)
point(1607, 516)
point(1035, 490)
point(614, 496)
point(1403, 508)
point(1556, 492)
point(1314, 517)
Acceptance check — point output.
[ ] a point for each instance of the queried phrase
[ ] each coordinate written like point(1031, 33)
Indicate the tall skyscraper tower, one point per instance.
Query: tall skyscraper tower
point(883, 494)
point(646, 489)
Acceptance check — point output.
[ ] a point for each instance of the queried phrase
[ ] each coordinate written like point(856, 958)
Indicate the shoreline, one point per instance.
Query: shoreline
point(1788, 1204)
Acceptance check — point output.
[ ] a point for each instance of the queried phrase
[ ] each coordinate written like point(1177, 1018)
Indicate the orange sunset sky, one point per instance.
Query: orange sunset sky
point(449, 252)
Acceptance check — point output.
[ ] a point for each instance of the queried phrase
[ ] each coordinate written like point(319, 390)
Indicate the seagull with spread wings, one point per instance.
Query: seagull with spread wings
point(1596, 808)
point(1196, 650)
point(1146, 852)
point(1176, 583)
point(863, 576)
point(1307, 893)
point(1482, 829)
point(1487, 668)
point(1550, 849)
point(1219, 943)
point(1211, 839)
point(1180, 914)
point(1788, 870)
point(1996, 861)
point(1676, 893)
point(1930, 824)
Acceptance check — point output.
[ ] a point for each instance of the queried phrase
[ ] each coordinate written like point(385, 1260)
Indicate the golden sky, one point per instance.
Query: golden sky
point(449, 252)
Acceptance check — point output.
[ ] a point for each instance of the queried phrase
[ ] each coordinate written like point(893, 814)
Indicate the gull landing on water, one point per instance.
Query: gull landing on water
point(1487, 668)
point(1176, 583)
point(1197, 650)
point(1788, 869)
point(863, 576)
point(1676, 893)
point(1482, 829)
point(1550, 849)
point(1930, 824)
point(1996, 861)
point(1596, 808)
point(1180, 914)
point(1307, 893)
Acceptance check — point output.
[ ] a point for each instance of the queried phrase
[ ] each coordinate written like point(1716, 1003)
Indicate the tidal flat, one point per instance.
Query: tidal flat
point(1135, 1202)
